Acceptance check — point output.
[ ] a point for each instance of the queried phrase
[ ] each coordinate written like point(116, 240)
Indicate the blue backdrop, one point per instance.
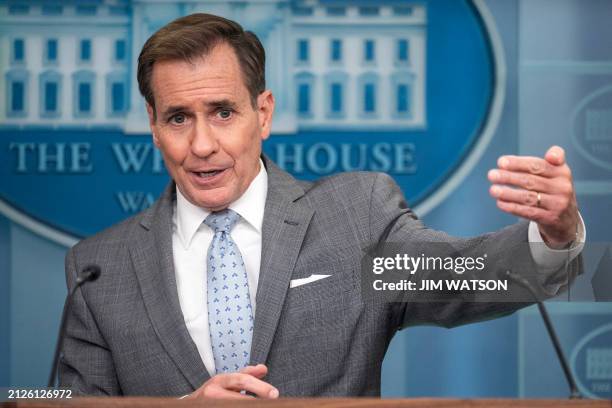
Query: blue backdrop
point(556, 75)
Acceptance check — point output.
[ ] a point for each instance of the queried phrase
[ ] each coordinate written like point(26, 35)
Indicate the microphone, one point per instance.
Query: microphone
point(521, 281)
point(88, 274)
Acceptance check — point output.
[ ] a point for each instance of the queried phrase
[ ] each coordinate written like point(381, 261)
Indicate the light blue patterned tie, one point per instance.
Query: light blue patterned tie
point(230, 316)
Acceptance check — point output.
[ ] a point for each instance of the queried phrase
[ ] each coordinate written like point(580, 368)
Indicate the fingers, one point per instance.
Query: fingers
point(519, 196)
point(529, 198)
point(245, 382)
point(218, 392)
point(522, 180)
point(532, 213)
point(552, 165)
point(234, 385)
point(528, 165)
point(554, 157)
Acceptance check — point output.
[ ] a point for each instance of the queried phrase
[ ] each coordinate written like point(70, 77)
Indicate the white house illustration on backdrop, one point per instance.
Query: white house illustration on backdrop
point(331, 64)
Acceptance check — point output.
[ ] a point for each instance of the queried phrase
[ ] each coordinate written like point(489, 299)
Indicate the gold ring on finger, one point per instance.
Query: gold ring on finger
point(539, 196)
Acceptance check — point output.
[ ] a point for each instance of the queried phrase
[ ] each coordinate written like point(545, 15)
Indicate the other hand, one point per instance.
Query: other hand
point(540, 190)
point(229, 386)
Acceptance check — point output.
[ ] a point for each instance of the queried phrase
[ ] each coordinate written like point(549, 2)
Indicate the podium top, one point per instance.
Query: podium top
point(147, 402)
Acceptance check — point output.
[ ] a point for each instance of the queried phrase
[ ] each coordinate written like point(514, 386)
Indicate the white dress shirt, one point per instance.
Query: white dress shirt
point(549, 259)
point(191, 239)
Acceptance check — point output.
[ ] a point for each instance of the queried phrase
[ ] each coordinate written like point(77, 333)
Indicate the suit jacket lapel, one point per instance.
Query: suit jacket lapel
point(284, 227)
point(151, 252)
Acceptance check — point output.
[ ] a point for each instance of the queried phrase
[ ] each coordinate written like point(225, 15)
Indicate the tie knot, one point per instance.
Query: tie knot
point(222, 221)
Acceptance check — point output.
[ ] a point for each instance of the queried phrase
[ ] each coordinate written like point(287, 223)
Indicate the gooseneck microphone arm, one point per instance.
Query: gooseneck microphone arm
point(88, 274)
point(521, 281)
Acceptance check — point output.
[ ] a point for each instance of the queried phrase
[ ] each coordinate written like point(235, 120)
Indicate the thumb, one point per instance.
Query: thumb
point(555, 156)
point(258, 371)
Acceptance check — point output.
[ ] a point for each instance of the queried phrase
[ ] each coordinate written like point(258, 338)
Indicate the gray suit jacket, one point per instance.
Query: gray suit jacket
point(126, 334)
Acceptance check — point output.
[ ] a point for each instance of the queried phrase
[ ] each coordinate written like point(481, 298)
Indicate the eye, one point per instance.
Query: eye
point(178, 119)
point(224, 114)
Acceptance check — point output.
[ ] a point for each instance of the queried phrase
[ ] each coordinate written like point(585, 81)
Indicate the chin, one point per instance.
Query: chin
point(216, 199)
point(212, 204)
point(215, 208)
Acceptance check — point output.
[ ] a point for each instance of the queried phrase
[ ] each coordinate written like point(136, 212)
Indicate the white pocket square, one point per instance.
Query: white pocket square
point(312, 278)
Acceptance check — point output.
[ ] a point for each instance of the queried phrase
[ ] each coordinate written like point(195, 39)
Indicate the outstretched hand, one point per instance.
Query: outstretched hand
point(540, 190)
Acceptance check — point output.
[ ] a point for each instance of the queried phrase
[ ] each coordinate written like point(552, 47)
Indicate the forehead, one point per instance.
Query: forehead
point(211, 77)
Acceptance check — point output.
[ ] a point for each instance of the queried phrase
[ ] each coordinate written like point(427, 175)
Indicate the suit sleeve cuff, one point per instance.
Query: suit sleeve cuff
point(551, 259)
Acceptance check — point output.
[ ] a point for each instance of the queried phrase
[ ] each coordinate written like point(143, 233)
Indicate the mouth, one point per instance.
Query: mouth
point(208, 174)
point(208, 178)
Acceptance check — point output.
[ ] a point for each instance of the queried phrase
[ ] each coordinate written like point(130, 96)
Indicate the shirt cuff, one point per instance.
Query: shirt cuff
point(551, 259)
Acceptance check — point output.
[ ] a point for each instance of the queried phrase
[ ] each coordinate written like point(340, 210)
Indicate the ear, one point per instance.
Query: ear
point(265, 110)
point(152, 125)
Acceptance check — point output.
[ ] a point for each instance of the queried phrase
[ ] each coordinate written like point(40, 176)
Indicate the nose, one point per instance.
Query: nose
point(204, 141)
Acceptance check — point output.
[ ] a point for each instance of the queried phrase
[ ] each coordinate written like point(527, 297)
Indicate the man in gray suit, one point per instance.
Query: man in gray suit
point(241, 280)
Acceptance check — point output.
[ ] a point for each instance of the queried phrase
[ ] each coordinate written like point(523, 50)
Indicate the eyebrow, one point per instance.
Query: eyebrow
point(221, 103)
point(172, 110)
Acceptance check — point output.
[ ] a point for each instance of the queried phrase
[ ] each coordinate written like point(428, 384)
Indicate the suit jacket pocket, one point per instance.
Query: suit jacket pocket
point(341, 282)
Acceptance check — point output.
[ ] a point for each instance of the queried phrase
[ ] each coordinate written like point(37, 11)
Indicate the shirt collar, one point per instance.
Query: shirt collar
point(250, 206)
